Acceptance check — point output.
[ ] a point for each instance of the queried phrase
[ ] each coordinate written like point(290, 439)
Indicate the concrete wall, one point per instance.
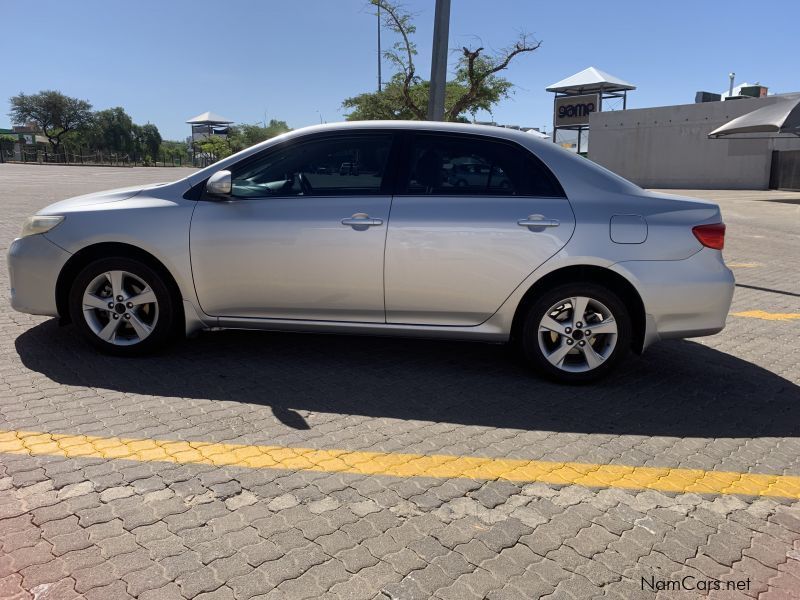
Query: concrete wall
point(668, 147)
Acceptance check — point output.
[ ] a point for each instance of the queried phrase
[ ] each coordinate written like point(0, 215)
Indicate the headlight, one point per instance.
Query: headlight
point(40, 224)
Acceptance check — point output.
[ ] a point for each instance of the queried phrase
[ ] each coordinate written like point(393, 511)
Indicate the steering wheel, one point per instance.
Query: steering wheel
point(305, 186)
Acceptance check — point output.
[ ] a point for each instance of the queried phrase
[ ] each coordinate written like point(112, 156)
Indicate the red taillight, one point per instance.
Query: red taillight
point(711, 236)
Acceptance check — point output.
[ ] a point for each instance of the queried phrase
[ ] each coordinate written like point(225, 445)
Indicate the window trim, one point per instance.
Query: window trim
point(404, 171)
point(387, 184)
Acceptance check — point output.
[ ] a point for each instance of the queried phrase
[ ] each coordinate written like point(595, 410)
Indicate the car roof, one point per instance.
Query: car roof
point(435, 126)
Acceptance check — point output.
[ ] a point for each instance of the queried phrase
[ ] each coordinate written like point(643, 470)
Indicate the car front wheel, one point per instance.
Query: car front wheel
point(122, 306)
point(576, 333)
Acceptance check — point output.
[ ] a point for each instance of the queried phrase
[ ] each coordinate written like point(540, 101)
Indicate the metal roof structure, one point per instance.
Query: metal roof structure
point(591, 80)
point(737, 90)
point(781, 117)
point(209, 118)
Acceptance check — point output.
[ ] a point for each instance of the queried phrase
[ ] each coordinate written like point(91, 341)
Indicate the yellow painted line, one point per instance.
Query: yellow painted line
point(767, 316)
point(399, 465)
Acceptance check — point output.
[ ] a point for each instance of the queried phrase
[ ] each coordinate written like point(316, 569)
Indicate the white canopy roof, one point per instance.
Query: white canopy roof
point(538, 134)
point(590, 80)
point(208, 117)
point(783, 116)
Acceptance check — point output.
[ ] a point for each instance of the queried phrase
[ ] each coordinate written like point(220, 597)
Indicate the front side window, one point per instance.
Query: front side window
point(472, 166)
point(332, 166)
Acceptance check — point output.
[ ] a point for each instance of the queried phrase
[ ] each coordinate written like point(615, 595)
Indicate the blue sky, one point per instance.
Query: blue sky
point(166, 61)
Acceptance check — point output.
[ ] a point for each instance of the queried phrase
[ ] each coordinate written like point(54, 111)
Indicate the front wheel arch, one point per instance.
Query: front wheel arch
point(86, 255)
point(586, 274)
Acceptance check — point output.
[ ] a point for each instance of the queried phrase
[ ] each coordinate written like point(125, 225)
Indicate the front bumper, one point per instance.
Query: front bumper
point(34, 263)
point(682, 298)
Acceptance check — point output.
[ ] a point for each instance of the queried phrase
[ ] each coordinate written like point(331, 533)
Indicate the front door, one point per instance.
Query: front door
point(458, 244)
point(302, 236)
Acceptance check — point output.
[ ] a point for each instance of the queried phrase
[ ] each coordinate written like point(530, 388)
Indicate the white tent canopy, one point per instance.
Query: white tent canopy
point(208, 118)
point(537, 133)
point(591, 79)
point(783, 116)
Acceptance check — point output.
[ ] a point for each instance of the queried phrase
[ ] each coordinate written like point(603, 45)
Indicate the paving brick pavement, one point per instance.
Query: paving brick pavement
point(108, 528)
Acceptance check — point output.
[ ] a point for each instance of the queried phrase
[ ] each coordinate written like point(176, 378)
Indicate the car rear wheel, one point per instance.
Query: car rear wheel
point(122, 306)
point(576, 333)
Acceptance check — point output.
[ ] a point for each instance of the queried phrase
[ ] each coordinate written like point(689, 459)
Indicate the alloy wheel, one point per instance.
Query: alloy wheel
point(120, 308)
point(577, 334)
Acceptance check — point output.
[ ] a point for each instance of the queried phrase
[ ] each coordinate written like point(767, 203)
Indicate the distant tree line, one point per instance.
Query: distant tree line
point(71, 121)
point(65, 120)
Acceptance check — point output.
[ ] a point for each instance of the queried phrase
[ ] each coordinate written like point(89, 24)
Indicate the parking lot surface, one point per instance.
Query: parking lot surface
point(263, 465)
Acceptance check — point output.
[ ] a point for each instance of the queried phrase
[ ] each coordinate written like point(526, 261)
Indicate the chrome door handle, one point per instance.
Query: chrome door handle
point(361, 220)
point(538, 221)
point(368, 222)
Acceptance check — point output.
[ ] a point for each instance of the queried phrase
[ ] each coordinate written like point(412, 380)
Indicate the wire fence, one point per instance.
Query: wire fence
point(82, 156)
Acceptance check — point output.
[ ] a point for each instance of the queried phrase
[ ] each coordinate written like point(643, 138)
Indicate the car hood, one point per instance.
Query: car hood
point(81, 202)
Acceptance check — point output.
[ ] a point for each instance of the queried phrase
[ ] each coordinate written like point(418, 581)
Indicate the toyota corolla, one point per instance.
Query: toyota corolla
point(538, 247)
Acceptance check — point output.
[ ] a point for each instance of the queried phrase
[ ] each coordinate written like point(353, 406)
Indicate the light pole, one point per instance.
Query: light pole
point(441, 33)
point(379, 48)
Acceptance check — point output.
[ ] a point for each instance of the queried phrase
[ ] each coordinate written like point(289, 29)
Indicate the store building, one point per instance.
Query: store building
point(669, 146)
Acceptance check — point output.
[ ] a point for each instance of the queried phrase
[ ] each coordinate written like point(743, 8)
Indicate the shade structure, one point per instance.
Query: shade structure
point(591, 79)
point(208, 118)
point(782, 116)
point(537, 133)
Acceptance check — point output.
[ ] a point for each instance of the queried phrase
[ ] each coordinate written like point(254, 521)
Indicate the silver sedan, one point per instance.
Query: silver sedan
point(363, 228)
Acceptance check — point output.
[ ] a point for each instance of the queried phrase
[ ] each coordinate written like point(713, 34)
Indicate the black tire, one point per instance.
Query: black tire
point(529, 339)
point(165, 326)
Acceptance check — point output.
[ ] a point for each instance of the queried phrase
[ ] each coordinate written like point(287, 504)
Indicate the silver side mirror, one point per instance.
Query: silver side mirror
point(219, 184)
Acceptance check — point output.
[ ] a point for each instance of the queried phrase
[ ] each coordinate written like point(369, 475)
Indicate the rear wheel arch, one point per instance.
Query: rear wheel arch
point(587, 274)
point(87, 255)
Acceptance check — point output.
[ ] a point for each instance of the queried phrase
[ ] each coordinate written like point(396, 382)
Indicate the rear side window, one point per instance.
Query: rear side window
point(331, 166)
point(455, 165)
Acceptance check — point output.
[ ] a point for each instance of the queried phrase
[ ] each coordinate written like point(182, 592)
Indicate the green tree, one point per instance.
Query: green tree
point(240, 137)
point(54, 113)
point(111, 130)
point(174, 149)
point(476, 85)
point(216, 145)
point(245, 135)
point(147, 140)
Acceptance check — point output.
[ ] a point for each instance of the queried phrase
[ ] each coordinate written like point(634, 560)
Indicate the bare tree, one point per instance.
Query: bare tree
point(477, 71)
point(479, 68)
point(402, 52)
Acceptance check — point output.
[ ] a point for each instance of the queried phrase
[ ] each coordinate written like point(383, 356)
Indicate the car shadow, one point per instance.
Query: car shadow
point(677, 388)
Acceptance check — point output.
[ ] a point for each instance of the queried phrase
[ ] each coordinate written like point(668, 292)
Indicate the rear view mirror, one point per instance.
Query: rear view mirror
point(219, 184)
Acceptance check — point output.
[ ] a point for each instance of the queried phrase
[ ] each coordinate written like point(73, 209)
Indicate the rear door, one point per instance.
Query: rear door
point(472, 218)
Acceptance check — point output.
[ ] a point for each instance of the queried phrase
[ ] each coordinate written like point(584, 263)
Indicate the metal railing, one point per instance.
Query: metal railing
point(67, 156)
